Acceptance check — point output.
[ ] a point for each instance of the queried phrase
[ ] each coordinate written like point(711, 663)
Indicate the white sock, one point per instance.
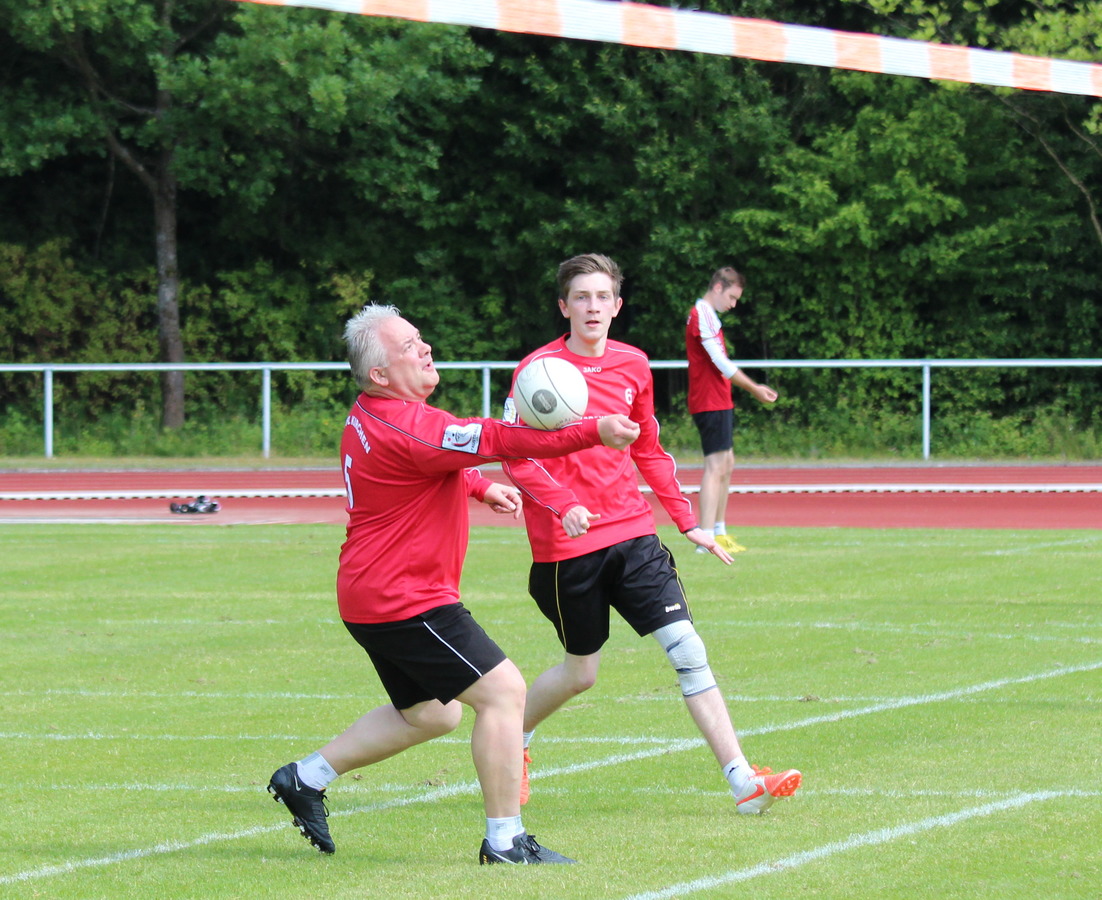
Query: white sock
point(500, 832)
point(528, 737)
point(738, 773)
point(721, 528)
point(315, 772)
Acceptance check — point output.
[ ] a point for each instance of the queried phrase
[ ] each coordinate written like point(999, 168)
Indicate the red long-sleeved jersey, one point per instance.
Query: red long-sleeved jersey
point(407, 473)
point(710, 370)
point(599, 478)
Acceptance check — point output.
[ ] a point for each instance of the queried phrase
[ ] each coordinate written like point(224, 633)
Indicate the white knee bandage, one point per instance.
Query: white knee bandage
point(686, 651)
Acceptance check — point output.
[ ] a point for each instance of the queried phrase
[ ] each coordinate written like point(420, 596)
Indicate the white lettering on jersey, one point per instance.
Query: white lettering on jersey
point(358, 426)
point(464, 438)
point(629, 395)
point(348, 480)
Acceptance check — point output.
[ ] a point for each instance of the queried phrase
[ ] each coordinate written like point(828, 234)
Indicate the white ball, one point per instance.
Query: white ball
point(550, 392)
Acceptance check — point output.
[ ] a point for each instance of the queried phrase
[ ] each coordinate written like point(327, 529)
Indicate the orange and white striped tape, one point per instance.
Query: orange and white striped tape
point(663, 28)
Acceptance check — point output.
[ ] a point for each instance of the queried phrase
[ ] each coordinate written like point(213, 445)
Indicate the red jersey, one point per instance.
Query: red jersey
point(599, 478)
point(407, 473)
point(710, 370)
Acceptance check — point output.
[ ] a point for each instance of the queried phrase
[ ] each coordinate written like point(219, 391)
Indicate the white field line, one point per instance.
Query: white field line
point(879, 705)
point(853, 842)
point(922, 699)
point(435, 793)
point(934, 632)
point(956, 539)
point(354, 789)
point(472, 787)
point(918, 793)
point(816, 488)
point(929, 629)
point(1049, 545)
point(618, 740)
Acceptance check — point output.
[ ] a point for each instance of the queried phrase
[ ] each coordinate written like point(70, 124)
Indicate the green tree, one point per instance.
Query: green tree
point(323, 159)
point(120, 59)
point(588, 147)
point(240, 103)
point(1066, 128)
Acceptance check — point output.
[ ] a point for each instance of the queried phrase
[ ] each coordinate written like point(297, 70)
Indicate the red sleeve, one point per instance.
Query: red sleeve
point(540, 487)
point(657, 467)
point(477, 484)
point(441, 442)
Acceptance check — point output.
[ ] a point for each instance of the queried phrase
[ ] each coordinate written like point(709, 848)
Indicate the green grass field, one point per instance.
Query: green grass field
point(940, 690)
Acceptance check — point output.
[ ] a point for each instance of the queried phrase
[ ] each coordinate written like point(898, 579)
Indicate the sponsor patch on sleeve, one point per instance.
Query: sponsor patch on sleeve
point(464, 438)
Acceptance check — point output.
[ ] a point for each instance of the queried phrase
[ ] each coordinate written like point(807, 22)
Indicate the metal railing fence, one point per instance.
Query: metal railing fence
point(486, 367)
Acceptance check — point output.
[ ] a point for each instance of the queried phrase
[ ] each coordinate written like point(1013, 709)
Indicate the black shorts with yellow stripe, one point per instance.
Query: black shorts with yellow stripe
point(637, 577)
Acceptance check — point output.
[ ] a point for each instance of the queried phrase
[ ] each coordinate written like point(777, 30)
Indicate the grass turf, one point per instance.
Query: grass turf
point(939, 690)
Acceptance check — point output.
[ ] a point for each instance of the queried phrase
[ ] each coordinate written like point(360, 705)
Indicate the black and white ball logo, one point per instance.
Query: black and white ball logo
point(544, 401)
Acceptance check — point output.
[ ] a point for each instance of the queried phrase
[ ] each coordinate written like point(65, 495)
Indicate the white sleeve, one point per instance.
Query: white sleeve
point(709, 339)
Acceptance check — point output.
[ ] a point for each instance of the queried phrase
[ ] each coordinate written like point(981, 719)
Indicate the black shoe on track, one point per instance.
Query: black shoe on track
point(306, 804)
point(525, 852)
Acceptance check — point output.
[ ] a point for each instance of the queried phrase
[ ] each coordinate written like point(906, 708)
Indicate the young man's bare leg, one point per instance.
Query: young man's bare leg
point(754, 791)
point(709, 712)
point(715, 491)
point(549, 692)
point(715, 482)
point(723, 494)
point(573, 676)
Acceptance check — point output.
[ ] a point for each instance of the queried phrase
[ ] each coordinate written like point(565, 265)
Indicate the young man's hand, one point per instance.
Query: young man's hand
point(618, 432)
point(504, 499)
point(576, 521)
point(764, 394)
point(701, 539)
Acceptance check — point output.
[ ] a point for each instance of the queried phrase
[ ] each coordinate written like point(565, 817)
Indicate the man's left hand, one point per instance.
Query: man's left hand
point(503, 499)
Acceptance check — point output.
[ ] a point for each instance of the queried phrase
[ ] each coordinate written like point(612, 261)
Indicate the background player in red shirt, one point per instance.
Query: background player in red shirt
point(711, 374)
point(594, 542)
point(406, 463)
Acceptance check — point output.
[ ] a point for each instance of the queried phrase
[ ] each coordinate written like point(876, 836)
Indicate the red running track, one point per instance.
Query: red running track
point(1018, 497)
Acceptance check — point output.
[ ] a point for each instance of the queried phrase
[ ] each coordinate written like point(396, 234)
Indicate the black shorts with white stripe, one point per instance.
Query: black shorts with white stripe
point(436, 655)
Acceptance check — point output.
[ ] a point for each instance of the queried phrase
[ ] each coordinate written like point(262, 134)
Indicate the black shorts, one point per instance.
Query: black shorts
point(716, 427)
point(436, 655)
point(637, 578)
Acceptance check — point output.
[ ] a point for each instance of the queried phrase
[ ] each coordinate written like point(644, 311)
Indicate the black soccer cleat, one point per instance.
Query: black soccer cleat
point(306, 804)
point(200, 504)
point(525, 852)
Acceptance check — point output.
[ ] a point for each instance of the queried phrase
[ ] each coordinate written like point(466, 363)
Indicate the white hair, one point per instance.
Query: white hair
point(361, 334)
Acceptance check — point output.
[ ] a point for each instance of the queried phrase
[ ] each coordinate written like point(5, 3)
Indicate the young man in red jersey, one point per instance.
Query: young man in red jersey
point(406, 463)
point(594, 544)
point(711, 374)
